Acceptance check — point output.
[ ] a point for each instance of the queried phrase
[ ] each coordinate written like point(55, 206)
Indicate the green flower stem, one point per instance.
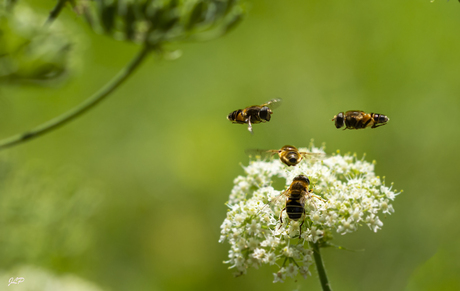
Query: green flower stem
point(320, 267)
point(55, 12)
point(83, 107)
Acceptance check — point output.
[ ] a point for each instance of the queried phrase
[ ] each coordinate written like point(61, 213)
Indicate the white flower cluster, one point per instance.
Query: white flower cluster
point(346, 194)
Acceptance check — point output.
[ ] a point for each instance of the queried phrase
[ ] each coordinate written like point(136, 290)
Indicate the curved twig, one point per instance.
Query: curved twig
point(83, 107)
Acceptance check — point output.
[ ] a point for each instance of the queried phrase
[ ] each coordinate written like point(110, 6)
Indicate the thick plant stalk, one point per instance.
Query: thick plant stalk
point(83, 107)
point(320, 267)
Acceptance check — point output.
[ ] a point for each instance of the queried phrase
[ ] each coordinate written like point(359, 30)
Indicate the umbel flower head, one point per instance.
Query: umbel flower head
point(346, 194)
point(156, 22)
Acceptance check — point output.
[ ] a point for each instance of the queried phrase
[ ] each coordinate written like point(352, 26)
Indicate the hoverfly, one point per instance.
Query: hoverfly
point(253, 114)
point(296, 196)
point(290, 155)
point(355, 119)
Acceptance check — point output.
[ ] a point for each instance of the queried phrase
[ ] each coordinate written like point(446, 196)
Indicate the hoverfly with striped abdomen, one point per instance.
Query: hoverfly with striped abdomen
point(290, 155)
point(296, 196)
point(253, 114)
point(355, 119)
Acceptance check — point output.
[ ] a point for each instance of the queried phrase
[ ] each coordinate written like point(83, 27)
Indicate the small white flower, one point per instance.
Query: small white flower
point(305, 272)
point(253, 243)
point(288, 252)
point(312, 234)
point(374, 222)
point(356, 214)
point(347, 225)
point(240, 218)
point(271, 242)
point(259, 254)
point(292, 270)
point(280, 276)
point(254, 227)
point(271, 258)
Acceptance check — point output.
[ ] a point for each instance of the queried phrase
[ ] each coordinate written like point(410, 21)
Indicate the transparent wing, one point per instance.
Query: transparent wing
point(313, 155)
point(272, 104)
point(358, 114)
point(260, 152)
point(275, 201)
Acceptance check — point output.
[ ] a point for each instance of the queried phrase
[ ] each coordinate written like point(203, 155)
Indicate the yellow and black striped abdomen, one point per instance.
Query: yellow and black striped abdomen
point(361, 119)
point(238, 116)
point(379, 119)
point(294, 209)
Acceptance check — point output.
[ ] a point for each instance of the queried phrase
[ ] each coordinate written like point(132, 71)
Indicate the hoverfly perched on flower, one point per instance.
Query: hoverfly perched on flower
point(355, 119)
point(296, 196)
point(290, 155)
point(254, 114)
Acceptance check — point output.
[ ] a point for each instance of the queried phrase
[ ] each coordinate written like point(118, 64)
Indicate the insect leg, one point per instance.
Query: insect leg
point(300, 227)
point(250, 125)
point(281, 217)
point(377, 125)
point(318, 197)
point(310, 195)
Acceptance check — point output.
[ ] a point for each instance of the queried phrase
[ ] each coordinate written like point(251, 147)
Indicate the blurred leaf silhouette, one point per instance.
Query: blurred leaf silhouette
point(28, 50)
point(45, 214)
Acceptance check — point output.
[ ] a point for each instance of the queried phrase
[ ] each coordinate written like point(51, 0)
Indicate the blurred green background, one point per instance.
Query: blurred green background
point(131, 196)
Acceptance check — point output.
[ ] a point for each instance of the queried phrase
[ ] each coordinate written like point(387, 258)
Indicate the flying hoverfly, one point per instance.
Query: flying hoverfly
point(356, 119)
point(254, 114)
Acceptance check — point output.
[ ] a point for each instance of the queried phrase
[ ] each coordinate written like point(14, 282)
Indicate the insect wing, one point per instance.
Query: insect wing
point(272, 104)
point(313, 155)
point(257, 153)
point(304, 198)
point(261, 153)
point(353, 112)
point(358, 114)
point(275, 201)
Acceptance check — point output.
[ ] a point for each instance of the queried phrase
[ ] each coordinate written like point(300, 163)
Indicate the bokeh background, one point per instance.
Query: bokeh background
point(131, 195)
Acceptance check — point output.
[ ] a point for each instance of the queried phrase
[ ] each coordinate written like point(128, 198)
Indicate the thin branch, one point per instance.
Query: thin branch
point(55, 12)
point(83, 107)
point(320, 267)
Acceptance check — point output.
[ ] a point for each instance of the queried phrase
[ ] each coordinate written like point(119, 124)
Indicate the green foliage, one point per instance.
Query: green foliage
point(45, 214)
point(32, 278)
point(156, 22)
point(28, 50)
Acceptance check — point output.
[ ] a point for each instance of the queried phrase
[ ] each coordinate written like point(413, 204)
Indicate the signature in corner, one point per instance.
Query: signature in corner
point(15, 281)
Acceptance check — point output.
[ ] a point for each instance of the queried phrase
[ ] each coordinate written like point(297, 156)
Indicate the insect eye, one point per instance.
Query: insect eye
point(302, 177)
point(383, 118)
point(264, 114)
point(339, 120)
point(292, 156)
